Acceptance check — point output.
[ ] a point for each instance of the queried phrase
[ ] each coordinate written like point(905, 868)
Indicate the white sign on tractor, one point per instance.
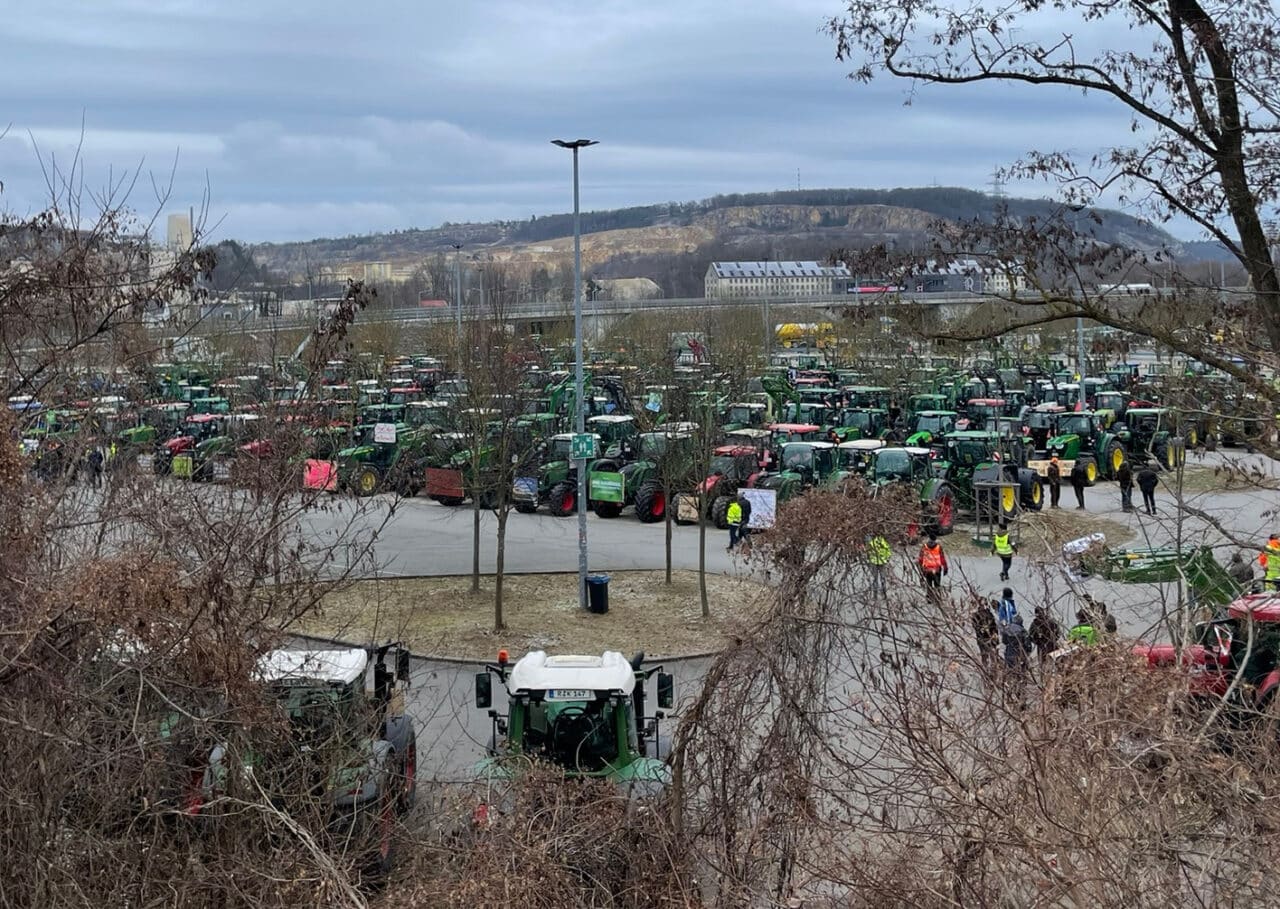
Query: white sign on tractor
point(384, 433)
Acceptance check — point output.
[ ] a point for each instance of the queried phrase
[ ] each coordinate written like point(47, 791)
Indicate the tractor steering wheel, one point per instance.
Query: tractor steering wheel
point(571, 717)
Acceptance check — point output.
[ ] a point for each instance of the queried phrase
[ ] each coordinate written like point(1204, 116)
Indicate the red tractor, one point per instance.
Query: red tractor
point(733, 467)
point(1244, 641)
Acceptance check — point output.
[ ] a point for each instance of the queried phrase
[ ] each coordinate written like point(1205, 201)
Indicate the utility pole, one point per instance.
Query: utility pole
point(578, 396)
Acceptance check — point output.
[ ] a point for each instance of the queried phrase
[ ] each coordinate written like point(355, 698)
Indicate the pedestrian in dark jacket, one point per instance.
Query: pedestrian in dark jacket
point(1147, 482)
point(987, 635)
point(1079, 480)
point(1054, 473)
point(1124, 476)
point(1045, 633)
point(1017, 646)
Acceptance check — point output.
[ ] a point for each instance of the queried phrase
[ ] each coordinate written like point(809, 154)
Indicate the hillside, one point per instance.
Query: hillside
point(627, 241)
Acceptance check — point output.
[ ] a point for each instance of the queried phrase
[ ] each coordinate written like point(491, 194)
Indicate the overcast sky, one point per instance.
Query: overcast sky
point(333, 117)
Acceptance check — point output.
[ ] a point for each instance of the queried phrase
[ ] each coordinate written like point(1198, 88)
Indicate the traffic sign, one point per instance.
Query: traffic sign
point(584, 446)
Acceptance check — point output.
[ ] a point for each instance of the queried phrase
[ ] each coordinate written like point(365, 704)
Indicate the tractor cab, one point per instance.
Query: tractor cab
point(793, 432)
point(746, 415)
point(899, 465)
point(818, 414)
point(616, 432)
point(982, 413)
point(210, 405)
point(1041, 423)
point(855, 458)
point(874, 396)
point(812, 461)
point(584, 714)
point(435, 414)
point(1153, 431)
point(928, 425)
point(862, 423)
point(404, 394)
point(755, 439)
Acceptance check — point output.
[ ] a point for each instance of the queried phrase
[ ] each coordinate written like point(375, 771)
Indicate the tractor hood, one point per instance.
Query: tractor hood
point(356, 453)
point(137, 434)
point(179, 444)
point(919, 439)
point(710, 482)
point(259, 448)
point(1062, 441)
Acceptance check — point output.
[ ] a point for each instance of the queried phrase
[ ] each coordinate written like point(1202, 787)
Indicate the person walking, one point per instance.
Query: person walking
point(1017, 647)
point(1147, 482)
point(987, 634)
point(1124, 476)
point(933, 564)
point(1045, 633)
point(95, 466)
point(1083, 632)
point(1079, 480)
point(733, 517)
point(878, 555)
point(1270, 562)
point(1006, 609)
point(1054, 474)
point(1001, 546)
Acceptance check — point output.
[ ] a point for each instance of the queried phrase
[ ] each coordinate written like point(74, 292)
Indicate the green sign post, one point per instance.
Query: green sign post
point(583, 446)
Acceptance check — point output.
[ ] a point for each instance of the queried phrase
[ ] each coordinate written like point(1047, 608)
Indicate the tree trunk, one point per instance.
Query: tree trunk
point(498, 562)
point(475, 545)
point(703, 517)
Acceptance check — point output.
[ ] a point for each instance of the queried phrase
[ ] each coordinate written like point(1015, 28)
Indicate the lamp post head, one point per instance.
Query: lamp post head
point(574, 143)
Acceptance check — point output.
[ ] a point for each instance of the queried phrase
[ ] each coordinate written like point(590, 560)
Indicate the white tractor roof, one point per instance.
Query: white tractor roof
point(612, 418)
point(747, 433)
point(538, 672)
point(862, 444)
point(344, 666)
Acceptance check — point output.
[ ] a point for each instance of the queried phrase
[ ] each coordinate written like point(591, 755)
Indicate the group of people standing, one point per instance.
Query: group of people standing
point(1147, 481)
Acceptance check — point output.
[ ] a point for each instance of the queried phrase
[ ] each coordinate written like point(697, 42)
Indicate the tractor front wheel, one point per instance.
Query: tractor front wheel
point(563, 500)
point(1090, 471)
point(367, 481)
point(1032, 492)
point(651, 503)
point(607, 509)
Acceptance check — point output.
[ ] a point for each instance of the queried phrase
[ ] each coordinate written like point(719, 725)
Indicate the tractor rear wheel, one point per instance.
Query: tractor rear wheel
point(1115, 457)
point(720, 512)
point(1166, 459)
point(1032, 491)
point(563, 500)
point(651, 503)
point(608, 509)
point(1007, 499)
point(367, 480)
point(1179, 452)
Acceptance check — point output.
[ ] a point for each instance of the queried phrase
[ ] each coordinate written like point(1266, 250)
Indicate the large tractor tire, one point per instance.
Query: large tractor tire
point(651, 503)
point(366, 481)
point(1166, 454)
point(563, 500)
point(1180, 452)
point(1114, 458)
point(720, 512)
point(1007, 502)
point(1192, 436)
point(1032, 490)
point(941, 515)
point(1090, 471)
point(608, 510)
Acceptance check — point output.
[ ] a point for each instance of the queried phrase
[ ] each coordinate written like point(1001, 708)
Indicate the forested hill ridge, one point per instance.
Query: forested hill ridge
point(787, 224)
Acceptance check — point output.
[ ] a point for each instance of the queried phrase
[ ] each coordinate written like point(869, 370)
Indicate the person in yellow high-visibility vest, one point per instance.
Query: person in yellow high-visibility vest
point(733, 517)
point(1002, 547)
point(1270, 562)
point(878, 555)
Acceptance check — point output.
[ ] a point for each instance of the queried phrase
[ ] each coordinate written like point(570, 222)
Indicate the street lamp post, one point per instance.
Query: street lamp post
point(457, 290)
point(579, 403)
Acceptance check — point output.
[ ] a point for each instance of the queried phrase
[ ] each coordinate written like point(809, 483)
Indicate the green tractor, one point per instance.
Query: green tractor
point(556, 482)
point(861, 423)
point(1153, 432)
point(385, 456)
point(803, 465)
point(927, 425)
point(971, 457)
point(746, 415)
point(886, 466)
point(351, 751)
point(583, 714)
point(1079, 436)
point(209, 457)
point(668, 455)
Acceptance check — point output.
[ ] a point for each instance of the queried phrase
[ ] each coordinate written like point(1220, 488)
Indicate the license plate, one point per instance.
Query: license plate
point(570, 694)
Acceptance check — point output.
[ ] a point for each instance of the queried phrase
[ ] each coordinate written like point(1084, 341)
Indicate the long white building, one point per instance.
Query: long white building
point(737, 280)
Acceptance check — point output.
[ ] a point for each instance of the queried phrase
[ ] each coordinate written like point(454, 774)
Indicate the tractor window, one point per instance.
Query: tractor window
point(854, 460)
point(723, 465)
point(576, 735)
point(936, 423)
point(968, 453)
point(745, 415)
point(653, 445)
point(791, 413)
point(797, 457)
point(1077, 424)
point(856, 419)
point(893, 465)
point(560, 449)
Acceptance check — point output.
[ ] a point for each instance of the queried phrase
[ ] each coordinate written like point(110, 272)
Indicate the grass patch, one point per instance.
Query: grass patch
point(442, 616)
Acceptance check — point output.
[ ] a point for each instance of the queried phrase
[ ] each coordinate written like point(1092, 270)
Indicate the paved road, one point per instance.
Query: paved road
point(422, 537)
